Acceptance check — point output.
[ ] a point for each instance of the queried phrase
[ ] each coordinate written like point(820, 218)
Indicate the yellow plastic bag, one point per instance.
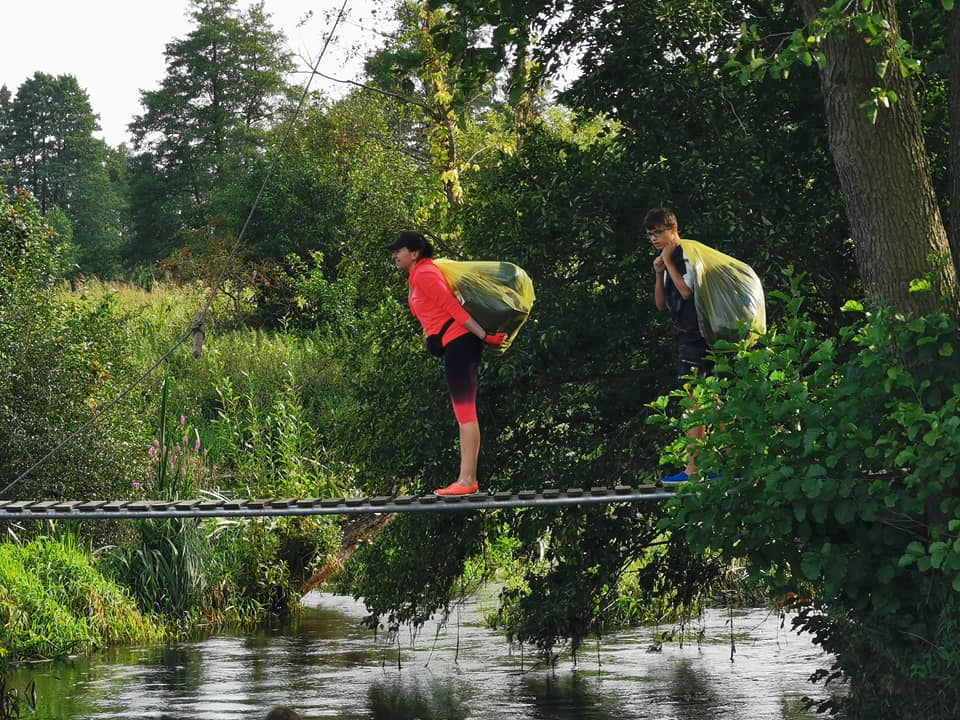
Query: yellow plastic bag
point(727, 293)
point(498, 295)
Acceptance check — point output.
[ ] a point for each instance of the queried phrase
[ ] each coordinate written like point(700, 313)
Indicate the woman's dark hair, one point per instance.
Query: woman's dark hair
point(412, 241)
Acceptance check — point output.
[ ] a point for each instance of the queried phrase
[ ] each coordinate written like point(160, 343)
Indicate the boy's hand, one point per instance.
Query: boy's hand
point(495, 338)
point(666, 254)
point(658, 264)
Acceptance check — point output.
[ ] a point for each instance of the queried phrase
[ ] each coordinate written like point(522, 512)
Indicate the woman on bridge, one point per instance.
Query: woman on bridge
point(452, 334)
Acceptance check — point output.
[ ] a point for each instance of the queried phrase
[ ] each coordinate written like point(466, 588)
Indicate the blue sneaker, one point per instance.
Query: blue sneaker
point(680, 477)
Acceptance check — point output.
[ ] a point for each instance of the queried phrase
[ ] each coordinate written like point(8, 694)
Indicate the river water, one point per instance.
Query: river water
point(327, 665)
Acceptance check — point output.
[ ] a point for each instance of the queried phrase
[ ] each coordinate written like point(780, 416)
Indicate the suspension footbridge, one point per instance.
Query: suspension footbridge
point(61, 510)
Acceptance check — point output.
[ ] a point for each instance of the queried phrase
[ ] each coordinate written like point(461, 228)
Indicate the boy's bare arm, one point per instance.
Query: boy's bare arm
point(659, 295)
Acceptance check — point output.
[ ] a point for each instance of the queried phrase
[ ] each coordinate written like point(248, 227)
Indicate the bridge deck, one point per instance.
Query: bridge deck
point(12, 510)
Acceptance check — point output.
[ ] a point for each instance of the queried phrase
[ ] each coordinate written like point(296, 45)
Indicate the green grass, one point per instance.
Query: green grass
point(55, 602)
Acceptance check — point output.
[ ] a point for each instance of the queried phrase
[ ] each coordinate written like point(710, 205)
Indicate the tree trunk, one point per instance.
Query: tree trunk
point(954, 169)
point(884, 175)
point(361, 531)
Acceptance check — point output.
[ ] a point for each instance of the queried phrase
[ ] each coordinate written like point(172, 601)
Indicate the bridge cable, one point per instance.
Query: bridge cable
point(196, 329)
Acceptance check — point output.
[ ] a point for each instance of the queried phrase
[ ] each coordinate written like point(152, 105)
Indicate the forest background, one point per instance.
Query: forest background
point(816, 141)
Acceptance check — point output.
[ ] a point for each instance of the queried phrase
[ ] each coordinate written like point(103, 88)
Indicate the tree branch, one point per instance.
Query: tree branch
point(387, 93)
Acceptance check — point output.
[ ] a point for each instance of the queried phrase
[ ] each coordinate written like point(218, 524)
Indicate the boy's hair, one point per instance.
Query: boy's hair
point(659, 216)
point(282, 712)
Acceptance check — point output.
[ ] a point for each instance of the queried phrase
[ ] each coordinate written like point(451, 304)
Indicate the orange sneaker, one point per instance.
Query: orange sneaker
point(455, 488)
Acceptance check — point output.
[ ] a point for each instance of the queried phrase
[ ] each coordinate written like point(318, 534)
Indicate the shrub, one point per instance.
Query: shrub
point(839, 460)
point(61, 360)
point(55, 602)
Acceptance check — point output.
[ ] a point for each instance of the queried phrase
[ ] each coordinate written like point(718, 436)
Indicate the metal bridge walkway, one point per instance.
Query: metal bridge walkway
point(12, 510)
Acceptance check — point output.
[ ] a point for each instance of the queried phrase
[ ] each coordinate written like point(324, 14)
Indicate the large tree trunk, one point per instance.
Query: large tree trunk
point(954, 169)
point(884, 175)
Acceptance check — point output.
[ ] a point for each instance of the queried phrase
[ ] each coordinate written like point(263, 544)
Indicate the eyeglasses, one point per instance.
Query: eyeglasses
point(658, 231)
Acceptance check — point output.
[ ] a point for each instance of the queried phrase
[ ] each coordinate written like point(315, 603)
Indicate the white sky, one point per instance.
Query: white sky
point(115, 48)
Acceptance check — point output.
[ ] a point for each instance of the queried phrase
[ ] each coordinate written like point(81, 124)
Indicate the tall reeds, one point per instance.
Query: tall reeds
point(168, 570)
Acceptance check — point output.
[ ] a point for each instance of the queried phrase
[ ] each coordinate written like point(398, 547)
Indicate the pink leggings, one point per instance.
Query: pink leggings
point(461, 359)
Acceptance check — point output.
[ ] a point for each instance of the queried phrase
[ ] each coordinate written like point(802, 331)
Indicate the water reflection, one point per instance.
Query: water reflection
point(690, 694)
point(434, 700)
point(328, 665)
point(570, 696)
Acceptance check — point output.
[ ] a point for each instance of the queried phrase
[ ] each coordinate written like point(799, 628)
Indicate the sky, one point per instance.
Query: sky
point(115, 48)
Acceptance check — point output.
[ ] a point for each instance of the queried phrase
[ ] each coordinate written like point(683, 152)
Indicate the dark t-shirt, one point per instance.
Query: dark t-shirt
point(683, 312)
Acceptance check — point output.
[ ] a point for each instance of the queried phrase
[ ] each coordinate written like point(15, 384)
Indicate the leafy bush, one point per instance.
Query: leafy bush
point(61, 360)
point(264, 561)
point(250, 434)
point(270, 449)
point(600, 568)
point(839, 460)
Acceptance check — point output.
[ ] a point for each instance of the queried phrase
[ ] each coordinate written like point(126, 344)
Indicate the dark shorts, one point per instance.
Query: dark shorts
point(461, 360)
point(692, 359)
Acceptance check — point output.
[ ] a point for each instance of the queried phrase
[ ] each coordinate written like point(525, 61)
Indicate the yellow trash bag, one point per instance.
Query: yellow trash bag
point(498, 295)
point(726, 292)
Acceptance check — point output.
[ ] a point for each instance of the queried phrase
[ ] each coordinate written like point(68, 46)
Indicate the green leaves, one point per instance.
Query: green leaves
point(882, 98)
point(59, 359)
point(813, 484)
point(853, 488)
point(811, 564)
point(845, 511)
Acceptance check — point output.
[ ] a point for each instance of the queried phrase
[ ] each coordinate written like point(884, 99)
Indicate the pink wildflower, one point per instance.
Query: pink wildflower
point(183, 420)
point(137, 486)
point(152, 452)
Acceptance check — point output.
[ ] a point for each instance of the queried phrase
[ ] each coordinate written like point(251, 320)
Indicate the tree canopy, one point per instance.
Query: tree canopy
point(47, 146)
point(206, 124)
